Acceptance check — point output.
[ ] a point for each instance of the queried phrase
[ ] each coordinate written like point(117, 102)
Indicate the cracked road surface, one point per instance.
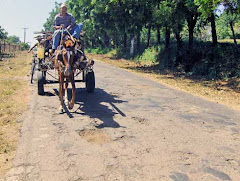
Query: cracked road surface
point(131, 128)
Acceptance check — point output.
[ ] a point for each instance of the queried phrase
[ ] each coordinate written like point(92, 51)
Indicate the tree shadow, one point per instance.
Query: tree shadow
point(96, 104)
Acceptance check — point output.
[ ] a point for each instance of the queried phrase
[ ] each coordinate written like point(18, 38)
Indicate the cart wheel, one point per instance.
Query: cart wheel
point(44, 77)
point(40, 78)
point(32, 70)
point(90, 82)
point(84, 76)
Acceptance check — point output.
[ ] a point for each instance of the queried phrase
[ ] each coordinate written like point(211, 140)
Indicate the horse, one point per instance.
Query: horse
point(64, 60)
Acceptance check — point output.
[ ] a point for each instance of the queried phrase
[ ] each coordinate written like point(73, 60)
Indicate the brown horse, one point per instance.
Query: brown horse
point(64, 64)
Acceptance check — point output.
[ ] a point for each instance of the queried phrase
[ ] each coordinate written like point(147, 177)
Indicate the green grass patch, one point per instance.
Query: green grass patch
point(149, 56)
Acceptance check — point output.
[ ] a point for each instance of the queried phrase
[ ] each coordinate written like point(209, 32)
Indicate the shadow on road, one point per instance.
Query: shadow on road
point(98, 105)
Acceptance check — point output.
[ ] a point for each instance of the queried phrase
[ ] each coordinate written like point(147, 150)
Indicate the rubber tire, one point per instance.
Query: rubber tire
point(84, 76)
point(44, 77)
point(40, 79)
point(90, 82)
point(32, 70)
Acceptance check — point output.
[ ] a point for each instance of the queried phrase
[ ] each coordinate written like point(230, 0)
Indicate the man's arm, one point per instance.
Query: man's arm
point(73, 23)
point(32, 48)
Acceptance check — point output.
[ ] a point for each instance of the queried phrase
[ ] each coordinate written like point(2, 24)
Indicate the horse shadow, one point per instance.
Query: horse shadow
point(100, 105)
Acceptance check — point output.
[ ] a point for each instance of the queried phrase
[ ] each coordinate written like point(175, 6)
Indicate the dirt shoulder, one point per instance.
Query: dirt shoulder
point(216, 91)
point(14, 88)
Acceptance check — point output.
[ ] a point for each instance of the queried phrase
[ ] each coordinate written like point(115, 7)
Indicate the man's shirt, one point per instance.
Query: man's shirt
point(67, 20)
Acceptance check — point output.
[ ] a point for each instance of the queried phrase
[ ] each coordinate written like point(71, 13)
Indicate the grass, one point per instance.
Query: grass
point(14, 88)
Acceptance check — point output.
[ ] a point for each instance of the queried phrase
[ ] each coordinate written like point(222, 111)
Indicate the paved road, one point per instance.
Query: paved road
point(131, 128)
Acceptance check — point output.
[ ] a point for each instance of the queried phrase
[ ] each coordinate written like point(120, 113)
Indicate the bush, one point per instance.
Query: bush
point(24, 46)
point(149, 55)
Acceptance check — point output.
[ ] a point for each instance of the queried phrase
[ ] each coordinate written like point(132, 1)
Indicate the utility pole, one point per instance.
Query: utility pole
point(25, 31)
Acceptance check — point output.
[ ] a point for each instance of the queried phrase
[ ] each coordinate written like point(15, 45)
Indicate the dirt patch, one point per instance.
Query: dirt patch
point(94, 136)
point(225, 93)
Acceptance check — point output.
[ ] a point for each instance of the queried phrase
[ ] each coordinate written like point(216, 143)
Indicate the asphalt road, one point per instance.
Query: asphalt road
point(131, 128)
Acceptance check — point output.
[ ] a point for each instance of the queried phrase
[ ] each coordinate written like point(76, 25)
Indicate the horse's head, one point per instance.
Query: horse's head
point(65, 55)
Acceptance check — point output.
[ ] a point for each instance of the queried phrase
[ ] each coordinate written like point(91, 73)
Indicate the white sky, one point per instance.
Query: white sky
point(32, 14)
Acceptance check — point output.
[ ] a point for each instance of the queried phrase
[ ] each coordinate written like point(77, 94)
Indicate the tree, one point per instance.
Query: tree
point(232, 9)
point(3, 33)
point(191, 15)
point(207, 8)
point(13, 39)
point(24, 46)
point(163, 17)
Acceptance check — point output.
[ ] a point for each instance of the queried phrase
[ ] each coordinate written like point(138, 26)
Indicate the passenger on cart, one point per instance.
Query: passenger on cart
point(43, 43)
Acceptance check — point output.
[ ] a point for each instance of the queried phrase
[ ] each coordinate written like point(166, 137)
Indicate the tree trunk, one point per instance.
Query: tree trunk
point(106, 40)
point(179, 41)
point(233, 33)
point(149, 35)
point(214, 32)
point(125, 40)
point(192, 19)
point(190, 35)
point(179, 47)
point(132, 46)
point(138, 40)
point(158, 36)
point(116, 40)
point(167, 37)
point(158, 27)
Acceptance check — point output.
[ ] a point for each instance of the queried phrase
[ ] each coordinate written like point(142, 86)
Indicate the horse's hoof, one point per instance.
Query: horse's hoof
point(70, 106)
point(60, 110)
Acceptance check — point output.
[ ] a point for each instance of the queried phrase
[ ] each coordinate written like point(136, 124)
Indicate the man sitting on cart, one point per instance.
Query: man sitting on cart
point(66, 21)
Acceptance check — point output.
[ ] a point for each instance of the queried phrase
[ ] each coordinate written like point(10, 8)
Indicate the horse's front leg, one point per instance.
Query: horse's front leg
point(66, 93)
point(70, 106)
point(61, 81)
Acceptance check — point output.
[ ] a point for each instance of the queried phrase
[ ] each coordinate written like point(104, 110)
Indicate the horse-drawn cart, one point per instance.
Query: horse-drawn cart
point(69, 61)
point(44, 66)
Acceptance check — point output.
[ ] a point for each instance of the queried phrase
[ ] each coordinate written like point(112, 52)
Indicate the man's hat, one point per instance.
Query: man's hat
point(63, 5)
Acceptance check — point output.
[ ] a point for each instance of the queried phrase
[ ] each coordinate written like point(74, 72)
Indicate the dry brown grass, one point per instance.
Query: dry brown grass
point(14, 88)
point(217, 91)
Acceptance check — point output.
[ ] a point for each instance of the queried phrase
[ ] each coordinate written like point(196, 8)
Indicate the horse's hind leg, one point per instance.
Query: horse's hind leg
point(70, 106)
point(66, 93)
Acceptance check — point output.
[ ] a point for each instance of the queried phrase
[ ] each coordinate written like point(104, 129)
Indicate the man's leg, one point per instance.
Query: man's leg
point(56, 39)
point(76, 30)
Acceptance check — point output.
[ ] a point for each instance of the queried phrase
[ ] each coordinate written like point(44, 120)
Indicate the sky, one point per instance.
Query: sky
point(32, 14)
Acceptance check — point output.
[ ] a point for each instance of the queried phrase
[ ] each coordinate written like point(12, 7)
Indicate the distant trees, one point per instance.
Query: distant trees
point(115, 23)
point(3, 33)
point(13, 39)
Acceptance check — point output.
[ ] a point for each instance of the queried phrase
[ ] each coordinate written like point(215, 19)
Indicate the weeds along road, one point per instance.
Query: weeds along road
point(131, 128)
